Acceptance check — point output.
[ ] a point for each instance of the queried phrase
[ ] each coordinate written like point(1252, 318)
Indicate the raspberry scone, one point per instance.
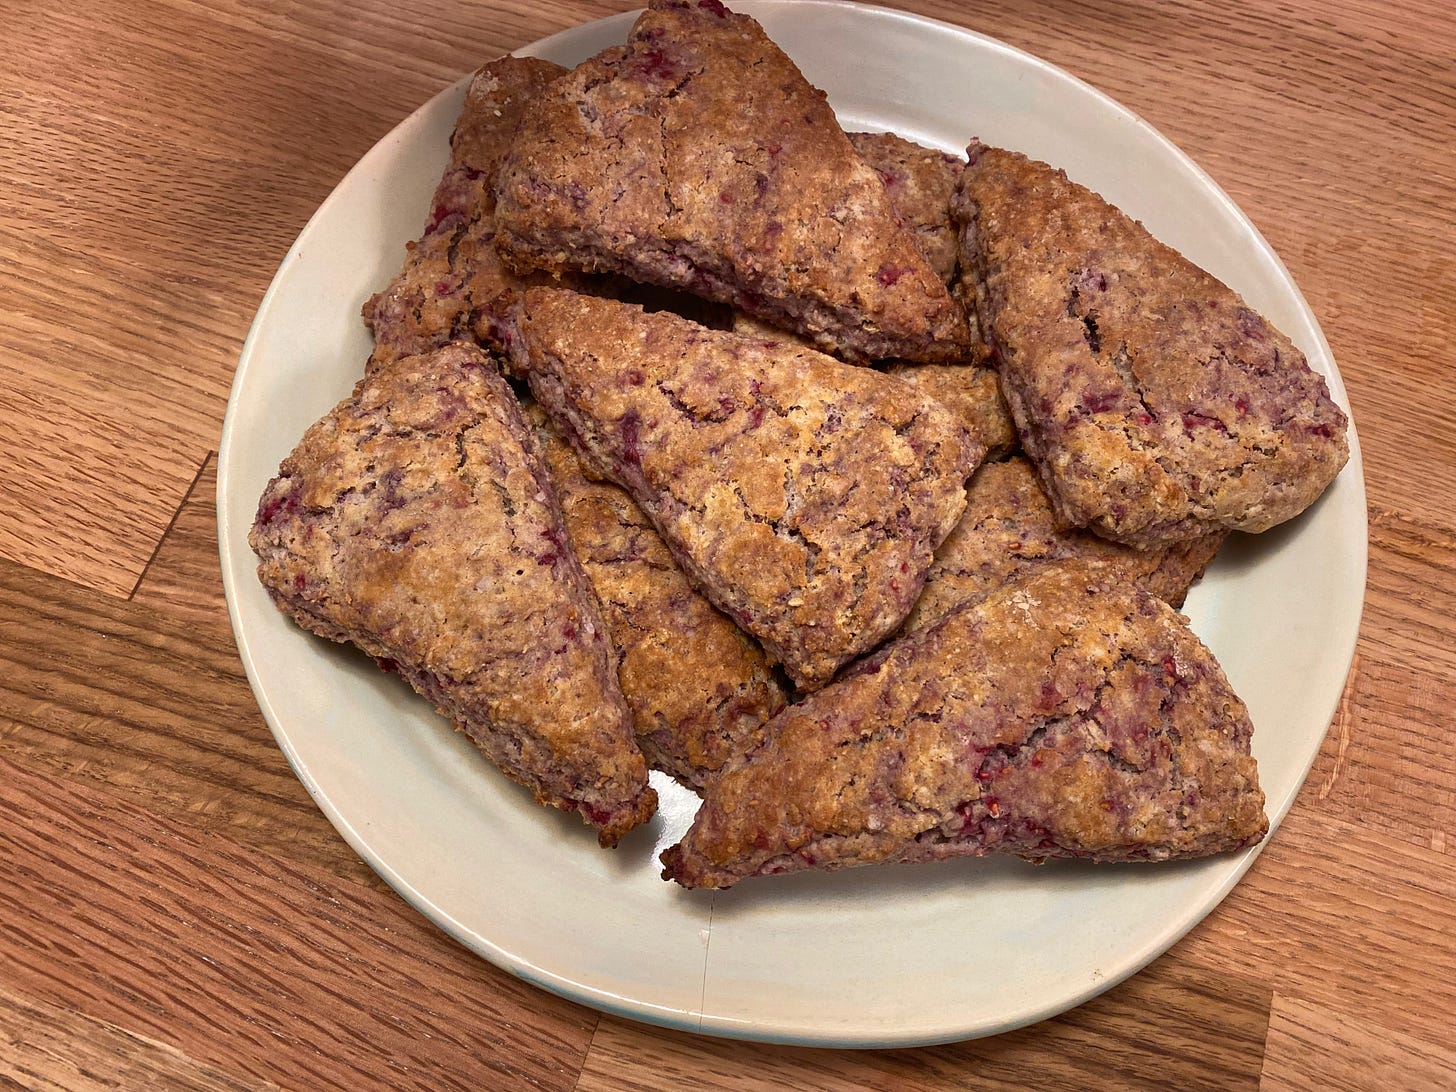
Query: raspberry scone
point(452, 283)
point(698, 157)
point(1009, 528)
point(920, 182)
point(802, 495)
point(971, 391)
point(416, 521)
point(699, 688)
point(1060, 716)
point(1155, 403)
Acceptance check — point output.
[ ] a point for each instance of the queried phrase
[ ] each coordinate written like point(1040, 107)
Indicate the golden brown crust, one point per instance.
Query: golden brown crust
point(802, 495)
point(452, 283)
point(1060, 716)
point(1009, 528)
point(699, 688)
point(972, 392)
point(920, 182)
point(416, 522)
point(1156, 405)
point(698, 157)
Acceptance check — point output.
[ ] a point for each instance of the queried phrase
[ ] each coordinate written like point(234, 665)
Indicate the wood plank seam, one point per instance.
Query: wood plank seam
point(171, 523)
point(1344, 713)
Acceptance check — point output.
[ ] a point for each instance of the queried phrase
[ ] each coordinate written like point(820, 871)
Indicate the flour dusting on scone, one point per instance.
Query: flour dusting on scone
point(1155, 403)
point(804, 496)
point(415, 521)
point(698, 157)
point(1059, 716)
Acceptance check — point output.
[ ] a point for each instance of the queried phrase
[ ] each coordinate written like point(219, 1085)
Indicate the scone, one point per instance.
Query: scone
point(920, 182)
point(699, 688)
point(1060, 716)
point(698, 157)
point(972, 392)
point(802, 495)
point(1155, 403)
point(1009, 528)
point(452, 283)
point(416, 521)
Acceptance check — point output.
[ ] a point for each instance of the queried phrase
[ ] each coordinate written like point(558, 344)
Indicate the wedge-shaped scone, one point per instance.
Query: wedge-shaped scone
point(452, 283)
point(1155, 403)
point(699, 688)
point(698, 157)
point(1009, 528)
point(1060, 716)
point(920, 182)
point(972, 392)
point(802, 495)
point(416, 521)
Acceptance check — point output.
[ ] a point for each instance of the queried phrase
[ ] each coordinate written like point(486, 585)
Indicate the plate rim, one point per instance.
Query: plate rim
point(701, 1021)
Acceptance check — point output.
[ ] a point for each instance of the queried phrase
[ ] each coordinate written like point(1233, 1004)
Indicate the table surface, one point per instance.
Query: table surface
point(178, 914)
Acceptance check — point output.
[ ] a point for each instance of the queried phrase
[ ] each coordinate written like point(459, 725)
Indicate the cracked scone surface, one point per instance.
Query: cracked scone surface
point(1057, 717)
point(1155, 403)
point(415, 521)
point(1009, 528)
point(802, 495)
point(699, 688)
point(972, 392)
point(920, 182)
point(698, 157)
point(452, 283)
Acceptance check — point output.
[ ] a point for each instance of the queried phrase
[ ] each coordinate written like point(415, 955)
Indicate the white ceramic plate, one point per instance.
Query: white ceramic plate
point(868, 957)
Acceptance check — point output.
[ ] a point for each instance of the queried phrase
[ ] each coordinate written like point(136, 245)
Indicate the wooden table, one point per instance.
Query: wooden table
point(174, 911)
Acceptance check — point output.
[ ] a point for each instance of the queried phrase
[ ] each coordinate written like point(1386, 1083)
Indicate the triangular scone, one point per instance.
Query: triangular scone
point(699, 158)
point(699, 688)
point(452, 283)
point(802, 495)
point(415, 521)
point(1060, 716)
point(920, 182)
point(1155, 403)
point(971, 391)
point(1009, 528)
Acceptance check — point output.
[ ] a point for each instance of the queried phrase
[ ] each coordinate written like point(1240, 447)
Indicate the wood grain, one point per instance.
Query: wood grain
point(176, 912)
point(183, 577)
point(153, 708)
point(1096, 1046)
point(1389, 765)
point(267, 970)
point(1303, 1037)
point(48, 1048)
point(1335, 913)
point(149, 210)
